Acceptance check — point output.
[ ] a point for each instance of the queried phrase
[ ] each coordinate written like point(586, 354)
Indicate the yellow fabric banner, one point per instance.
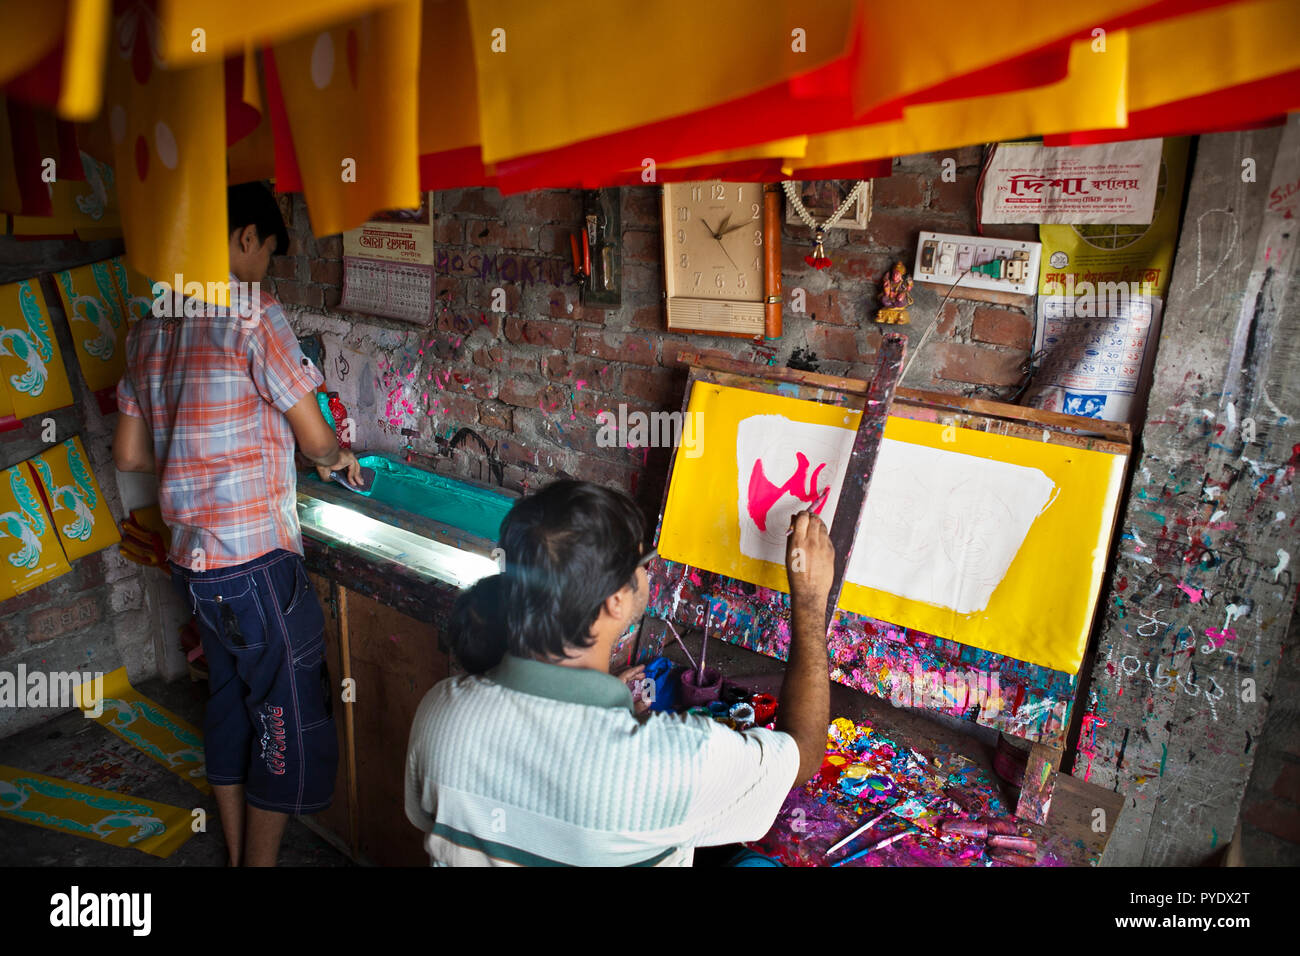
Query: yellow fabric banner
point(1092, 96)
point(154, 730)
point(169, 142)
point(547, 76)
point(81, 515)
point(30, 361)
point(350, 92)
point(114, 818)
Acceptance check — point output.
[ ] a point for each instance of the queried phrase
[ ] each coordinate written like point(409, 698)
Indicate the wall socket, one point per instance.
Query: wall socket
point(1001, 265)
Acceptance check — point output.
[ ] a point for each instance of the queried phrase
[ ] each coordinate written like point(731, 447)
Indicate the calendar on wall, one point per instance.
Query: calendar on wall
point(388, 265)
point(1094, 365)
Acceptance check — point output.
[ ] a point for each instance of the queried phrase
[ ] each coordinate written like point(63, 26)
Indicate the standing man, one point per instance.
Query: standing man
point(212, 404)
point(537, 758)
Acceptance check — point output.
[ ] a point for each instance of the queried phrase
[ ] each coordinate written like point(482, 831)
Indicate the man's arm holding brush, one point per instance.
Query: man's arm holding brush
point(805, 707)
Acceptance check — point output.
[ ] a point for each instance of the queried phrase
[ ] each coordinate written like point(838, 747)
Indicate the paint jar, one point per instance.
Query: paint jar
point(764, 708)
point(733, 693)
point(696, 695)
point(743, 714)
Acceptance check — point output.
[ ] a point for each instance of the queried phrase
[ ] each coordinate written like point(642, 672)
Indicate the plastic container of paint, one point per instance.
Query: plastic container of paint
point(699, 695)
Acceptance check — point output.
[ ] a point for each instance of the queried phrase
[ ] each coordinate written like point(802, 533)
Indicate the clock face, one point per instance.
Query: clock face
point(713, 240)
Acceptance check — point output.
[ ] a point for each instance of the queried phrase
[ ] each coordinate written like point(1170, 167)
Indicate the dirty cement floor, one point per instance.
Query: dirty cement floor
point(81, 751)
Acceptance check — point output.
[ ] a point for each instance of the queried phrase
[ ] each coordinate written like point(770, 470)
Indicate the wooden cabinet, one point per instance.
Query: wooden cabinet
point(392, 660)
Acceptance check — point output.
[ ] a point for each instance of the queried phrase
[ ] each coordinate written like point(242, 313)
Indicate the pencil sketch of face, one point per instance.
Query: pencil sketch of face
point(784, 467)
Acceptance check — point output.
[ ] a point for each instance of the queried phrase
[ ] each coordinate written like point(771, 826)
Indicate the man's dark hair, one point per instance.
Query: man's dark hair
point(252, 204)
point(567, 548)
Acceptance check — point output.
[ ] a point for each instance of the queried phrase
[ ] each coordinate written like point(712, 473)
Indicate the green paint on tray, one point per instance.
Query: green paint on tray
point(1214, 838)
point(407, 488)
point(1164, 752)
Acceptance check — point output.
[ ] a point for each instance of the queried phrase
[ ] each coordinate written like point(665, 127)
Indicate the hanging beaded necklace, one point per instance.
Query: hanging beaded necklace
point(819, 259)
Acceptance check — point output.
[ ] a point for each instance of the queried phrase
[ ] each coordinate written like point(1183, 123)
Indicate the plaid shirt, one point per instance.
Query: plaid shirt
point(213, 391)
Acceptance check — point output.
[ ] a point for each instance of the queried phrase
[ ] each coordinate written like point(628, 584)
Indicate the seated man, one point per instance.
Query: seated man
point(536, 757)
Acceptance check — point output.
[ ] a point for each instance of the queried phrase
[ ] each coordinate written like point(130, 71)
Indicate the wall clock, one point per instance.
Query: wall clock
point(722, 258)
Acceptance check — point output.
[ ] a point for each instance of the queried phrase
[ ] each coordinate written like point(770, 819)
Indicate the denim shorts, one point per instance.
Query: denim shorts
point(269, 723)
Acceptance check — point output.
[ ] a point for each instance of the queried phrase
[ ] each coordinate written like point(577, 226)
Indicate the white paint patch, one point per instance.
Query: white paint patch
point(1283, 559)
point(1217, 516)
point(1138, 538)
point(1207, 413)
point(955, 555)
point(1144, 560)
point(1281, 516)
point(1146, 474)
point(322, 60)
point(165, 142)
point(1253, 467)
point(1232, 415)
point(1234, 611)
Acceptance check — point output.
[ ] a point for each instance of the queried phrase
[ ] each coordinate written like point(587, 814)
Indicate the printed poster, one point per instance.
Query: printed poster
point(994, 541)
point(388, 265)
point(83, 520)
point(29, 546)
point(93, 305)
point(1110, 183)
point(1078, 257)
point(31, 367)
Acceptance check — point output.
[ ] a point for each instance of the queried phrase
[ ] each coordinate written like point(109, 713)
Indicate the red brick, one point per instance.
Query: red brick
point(326, 272)
point(642, 205)
point(869, 267)
point(554, 205)
point(895, 230)
point(650, 317)
point(900, 189)
point(58, 621)
point(834, 343)
point(830, 307)
point(658, 386)
point(470, 382)
point(499, 235)
point(479, 203)
point(593, 373)
point(482, 295)
point(330, 247)
point(955, 198)
point(527, 392)
point(639, 246)
point(299, 293)
point(976, 365)
point(557, 335)
point(564, 304)
point(283, 267)
point(636, 349)
point(1287, 784)
point(611, 474)
point(496, 415)
point(448, 230)
point(459, 408)
point(1274, 817)
point(948, 319)
point(1002, 327)
point(508, 360)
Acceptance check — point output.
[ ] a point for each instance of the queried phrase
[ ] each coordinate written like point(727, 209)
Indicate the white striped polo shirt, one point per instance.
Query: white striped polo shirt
point(534, 764)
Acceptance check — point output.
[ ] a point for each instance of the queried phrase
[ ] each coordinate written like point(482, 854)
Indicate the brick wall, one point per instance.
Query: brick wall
point(106, 612)
point(531, 381)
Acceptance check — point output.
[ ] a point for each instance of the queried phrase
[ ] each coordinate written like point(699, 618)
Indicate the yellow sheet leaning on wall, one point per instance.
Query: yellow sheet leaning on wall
point(1050, 508)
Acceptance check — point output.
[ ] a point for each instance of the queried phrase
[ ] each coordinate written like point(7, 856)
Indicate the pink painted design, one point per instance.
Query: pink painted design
point(763, 494)
point(1193, 594)
point(1217, 637)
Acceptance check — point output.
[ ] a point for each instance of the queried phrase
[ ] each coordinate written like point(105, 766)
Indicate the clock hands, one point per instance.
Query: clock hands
point(717, 236)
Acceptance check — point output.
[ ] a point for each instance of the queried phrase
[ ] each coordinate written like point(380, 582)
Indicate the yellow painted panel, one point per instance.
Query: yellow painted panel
point(81, 515)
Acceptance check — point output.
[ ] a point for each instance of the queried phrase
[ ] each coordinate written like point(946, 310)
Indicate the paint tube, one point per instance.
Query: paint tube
point(1013, 858)
point(1017, 843)
point(1005, 827)
point(966, 828)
